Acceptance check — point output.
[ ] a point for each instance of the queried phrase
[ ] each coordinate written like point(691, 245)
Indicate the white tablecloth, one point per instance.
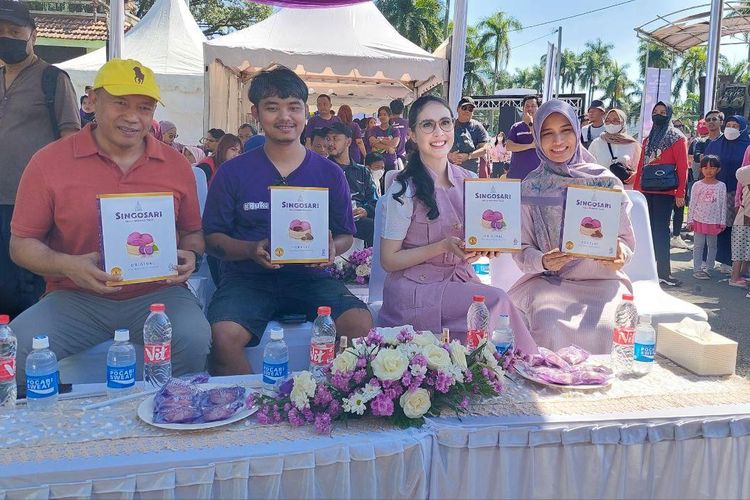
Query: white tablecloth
point(698, 451)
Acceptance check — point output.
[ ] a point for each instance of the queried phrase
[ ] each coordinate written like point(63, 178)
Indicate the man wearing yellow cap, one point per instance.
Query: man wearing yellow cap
point(55, 228)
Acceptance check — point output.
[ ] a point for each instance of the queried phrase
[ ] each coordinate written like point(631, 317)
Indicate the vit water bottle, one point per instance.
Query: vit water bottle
point(275, 361)
point(8, 346)
point(626, 318)
point(120, 365)
point(477, 323)
point(645, 346)
point(502, 337)
point(41, 376)
point(157, 348)
point(323, 342)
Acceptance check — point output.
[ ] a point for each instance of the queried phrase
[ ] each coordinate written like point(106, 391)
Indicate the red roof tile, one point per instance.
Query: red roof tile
point(72, 27)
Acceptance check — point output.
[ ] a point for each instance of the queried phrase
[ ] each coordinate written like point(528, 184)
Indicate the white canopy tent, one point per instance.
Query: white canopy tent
point(350, 52)
point(169, 41)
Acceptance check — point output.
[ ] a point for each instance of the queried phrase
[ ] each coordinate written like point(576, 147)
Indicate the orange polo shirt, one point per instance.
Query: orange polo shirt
point(57, 204)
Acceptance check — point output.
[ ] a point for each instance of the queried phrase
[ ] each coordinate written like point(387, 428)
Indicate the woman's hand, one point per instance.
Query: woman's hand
point(454, 245)
point(619, 261)
point(680, 202)
point(472, 257)
point(554, 260)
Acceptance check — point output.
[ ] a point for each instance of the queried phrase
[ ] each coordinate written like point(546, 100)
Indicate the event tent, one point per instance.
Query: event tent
point(169, 41)
point(351, 52)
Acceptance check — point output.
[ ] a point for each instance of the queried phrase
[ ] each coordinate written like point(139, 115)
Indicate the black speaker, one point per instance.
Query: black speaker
point(508, 116)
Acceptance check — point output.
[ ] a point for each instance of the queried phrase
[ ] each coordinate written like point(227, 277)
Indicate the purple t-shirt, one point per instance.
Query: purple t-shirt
point(238, 203)
point(354, 153)
point(401, 125)
point(390, 158)
point(523, 162)
point(316, 122)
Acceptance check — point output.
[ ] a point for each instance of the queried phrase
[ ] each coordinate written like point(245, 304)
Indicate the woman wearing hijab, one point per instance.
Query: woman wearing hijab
point(615, 146)
point(730, 148)
point(566, 300)
point(169, 134)
point(662, 178)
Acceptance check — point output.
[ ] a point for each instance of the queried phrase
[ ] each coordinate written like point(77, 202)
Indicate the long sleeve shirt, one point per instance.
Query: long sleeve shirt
point(676, 155)
point(708, 204)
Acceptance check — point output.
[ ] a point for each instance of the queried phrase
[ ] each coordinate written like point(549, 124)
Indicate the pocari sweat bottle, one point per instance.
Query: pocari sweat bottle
point(322, 343)
point(8, 345)
point(645, 346)
point(41, 376)
point(477, 322)
point(626, 318)
point(157, 348)
point(275, 361)
point(121, 365)
point(502, 336)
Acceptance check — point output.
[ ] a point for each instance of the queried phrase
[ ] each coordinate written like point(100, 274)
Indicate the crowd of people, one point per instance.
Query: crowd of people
point(59, 158)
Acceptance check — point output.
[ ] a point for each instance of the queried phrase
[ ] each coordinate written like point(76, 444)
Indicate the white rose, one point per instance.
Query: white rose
point(389, 364)
point(303, 389)
point(416, 403)
point(437, 357)
point(458, 354)
point(499, 371)
point(344, 362)
point(362, 270)
point(489, 354)
point(425, 338)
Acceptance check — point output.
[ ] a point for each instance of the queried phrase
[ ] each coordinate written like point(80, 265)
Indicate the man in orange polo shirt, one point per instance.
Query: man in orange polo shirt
point(55, 227)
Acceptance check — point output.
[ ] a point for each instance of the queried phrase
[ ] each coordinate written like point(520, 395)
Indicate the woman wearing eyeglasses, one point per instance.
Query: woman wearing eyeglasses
point(430, 281)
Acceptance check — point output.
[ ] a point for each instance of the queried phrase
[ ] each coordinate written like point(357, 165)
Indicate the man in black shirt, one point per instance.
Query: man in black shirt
point(362, 188)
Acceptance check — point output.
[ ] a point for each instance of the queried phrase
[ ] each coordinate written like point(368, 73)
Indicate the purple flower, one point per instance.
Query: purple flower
point(285, 388)
point(374, 338)
point(464, 404)
point(419, 360)
point(334, 408)
point(360, 280)
point(443, 382)
point(416, 382)
point(382, 405)
point(468, 376)
point(361, 362)
point(407, 378)
point(295, 418)
point(323, 423)
point(287, 407)
point(340, 380)
point(322, 395)
point(404, 336)
point(359, 376)
point(308, 414)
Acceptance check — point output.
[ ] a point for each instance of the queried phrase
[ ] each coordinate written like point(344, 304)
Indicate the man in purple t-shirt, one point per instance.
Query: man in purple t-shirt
point(237, 220)
point(325, 118)
point(401, 125)
point(520, 141)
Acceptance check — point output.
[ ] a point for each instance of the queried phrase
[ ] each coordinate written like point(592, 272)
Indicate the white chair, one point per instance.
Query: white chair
point(201, 185)
point(377, 274)
point(390, 176)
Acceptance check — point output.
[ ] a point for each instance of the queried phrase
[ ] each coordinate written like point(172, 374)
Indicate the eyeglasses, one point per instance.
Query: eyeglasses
point(717, 119)
point(467, 107)
point(428, 126)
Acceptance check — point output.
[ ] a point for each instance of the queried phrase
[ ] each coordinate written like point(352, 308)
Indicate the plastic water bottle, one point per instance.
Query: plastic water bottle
point(323, 342)
point(275, 361)
point(482, 269)
point(645, 346)
point(157, 348)
point(120, 365)
point(41, 376)
point(502, 337)
point(477, 323)
point(626, 318)
point(8, 345)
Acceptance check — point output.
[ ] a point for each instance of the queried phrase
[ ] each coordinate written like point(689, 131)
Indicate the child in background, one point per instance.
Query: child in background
point(706, 215)
point(741, 229)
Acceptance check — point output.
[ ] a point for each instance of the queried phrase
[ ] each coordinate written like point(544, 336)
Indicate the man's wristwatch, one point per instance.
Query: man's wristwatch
point(198, 260)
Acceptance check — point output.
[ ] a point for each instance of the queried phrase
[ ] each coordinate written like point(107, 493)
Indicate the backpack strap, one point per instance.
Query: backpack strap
point(611, 153)
point(49, 89)
point(588, 133)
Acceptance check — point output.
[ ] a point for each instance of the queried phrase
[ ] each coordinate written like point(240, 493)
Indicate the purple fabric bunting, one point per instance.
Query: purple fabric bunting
point(309, 4)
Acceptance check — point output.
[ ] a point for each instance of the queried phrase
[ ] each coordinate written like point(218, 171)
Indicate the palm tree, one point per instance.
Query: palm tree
point(570, 69)
point(657, 55)
point(691, 68)
point(495, 29)
point(530, 78)
point(617, 85)
point(737, 71)
point(476, 64)
point(596, 59)
point(418, 20)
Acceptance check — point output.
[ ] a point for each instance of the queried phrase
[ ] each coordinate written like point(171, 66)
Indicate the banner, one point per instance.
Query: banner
point(658, 87)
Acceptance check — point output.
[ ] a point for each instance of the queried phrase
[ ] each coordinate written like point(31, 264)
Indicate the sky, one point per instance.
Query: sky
point(615, 26)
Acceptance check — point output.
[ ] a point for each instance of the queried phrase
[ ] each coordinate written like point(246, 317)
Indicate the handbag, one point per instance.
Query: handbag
point(659, 177)
point(621, 171)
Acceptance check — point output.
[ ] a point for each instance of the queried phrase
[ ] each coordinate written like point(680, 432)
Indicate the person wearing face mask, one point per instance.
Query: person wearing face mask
point(26, 126)
point(662, 178)
point(376, 164)
point(730, 148)
point(615, 148)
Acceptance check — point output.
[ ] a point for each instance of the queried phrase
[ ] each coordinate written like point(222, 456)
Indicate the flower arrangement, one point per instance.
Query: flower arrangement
point(355, 268)
point(395, 373)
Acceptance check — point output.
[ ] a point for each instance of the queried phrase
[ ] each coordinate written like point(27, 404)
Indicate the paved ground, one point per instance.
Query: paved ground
point(727, 308)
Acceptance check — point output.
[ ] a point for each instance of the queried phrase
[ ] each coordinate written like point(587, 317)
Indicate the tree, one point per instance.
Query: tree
point(596, 60)
point(494, 32)
point(692, 66)
point(418, 20)
point(570, 69)
point(737, 71)
point(217, 17)
point(617, 85)
point(657, 55)
point(530, 78)
point(476, 65)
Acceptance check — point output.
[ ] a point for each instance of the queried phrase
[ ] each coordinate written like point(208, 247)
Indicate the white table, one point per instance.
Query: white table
point(670, 435)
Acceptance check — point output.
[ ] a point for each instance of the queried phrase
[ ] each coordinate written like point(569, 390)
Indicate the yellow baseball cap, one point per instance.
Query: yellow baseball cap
point(127, 77)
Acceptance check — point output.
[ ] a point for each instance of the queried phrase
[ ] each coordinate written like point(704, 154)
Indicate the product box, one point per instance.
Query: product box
point(139, 236)
point(711, 354)
point(299, 225)
point(592, 222)
point(492, 215)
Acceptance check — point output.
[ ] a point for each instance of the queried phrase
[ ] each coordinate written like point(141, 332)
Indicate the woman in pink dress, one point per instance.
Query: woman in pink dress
point(430, 281)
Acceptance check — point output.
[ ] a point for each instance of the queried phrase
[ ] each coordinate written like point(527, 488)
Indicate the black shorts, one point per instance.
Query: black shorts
point(254, 300)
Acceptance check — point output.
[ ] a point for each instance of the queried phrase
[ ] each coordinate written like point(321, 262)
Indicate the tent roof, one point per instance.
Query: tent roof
point(347, 43)
point(689, 27)
point(167, 40)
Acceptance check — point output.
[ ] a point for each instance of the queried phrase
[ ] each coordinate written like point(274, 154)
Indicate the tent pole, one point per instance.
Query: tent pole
point(116, 29)
point(559, 61)
point(712, 66)
point(458, 53)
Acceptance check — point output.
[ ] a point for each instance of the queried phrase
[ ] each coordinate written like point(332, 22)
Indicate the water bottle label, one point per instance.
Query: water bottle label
point(474, 338)
point(272, 372)
point(7, 369)
point(41, 386)
point(157, 353)
point(321, 354)
point(644, 352)
point(623, 336)
point(120, 377)
point(503, 347)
